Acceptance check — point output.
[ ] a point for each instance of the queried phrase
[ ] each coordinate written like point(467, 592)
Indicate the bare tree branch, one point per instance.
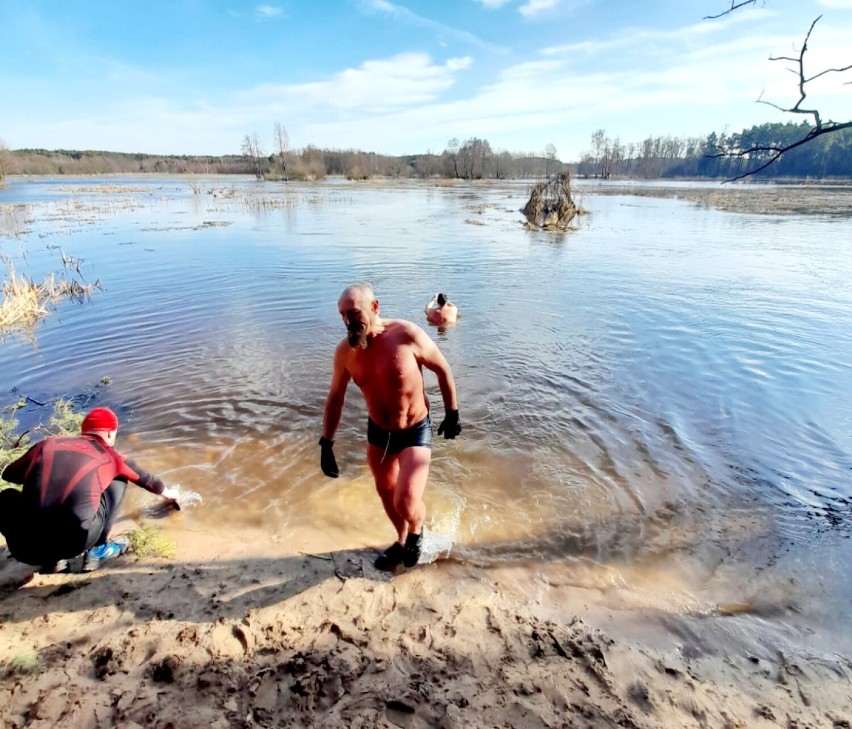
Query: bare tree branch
point(734, 6)
point(819, 127)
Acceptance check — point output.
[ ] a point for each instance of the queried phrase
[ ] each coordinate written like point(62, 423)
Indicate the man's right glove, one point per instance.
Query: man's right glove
point(450, 426)
point(328, 464)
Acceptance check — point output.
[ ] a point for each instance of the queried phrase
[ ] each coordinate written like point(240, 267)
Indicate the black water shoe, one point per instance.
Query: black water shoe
point(391, 558)
point(413, 544)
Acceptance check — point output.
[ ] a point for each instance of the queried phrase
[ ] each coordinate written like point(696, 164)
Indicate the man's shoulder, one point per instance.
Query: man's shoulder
point(403, 325)
point(343, 353)
point(59, 441)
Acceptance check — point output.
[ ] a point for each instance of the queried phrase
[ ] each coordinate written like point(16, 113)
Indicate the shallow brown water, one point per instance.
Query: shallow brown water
point(655, 401)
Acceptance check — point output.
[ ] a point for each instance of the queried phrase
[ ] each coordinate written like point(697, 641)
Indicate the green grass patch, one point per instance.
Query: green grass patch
point(147, 541)
point(12, 443)
point(62, 421)
point(24, 664)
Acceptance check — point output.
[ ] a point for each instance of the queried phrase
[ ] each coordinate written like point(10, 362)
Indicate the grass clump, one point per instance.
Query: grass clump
point(26, 302)
point(24, 664)
point(147, 541)
point(62, 421)
point(12, 443)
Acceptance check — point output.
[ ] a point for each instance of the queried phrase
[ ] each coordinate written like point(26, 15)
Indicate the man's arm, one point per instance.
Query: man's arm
point(333, 408)
point(336, 394)
point(131, 472)
point(428, 354)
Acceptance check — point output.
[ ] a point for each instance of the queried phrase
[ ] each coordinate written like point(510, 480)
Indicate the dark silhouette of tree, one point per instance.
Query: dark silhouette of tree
point(761, 156)
point(282, 142)
point(451, 155)
point(475, 155)
point(250, 148)
point(550, 157)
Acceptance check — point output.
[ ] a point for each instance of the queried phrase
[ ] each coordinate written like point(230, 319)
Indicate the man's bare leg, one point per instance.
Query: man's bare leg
point(385, 471)
point(410, 485)
point(400, 481)
point(408, 498)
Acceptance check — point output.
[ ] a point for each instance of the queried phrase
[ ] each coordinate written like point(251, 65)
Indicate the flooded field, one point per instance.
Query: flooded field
point(655, 402)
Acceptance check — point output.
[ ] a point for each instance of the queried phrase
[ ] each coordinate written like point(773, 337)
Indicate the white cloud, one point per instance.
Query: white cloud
point(402, 80)
point(492, 3)
point(838, 4)
point(383, 6)
point(405, 15)
point(633, 83)
point(696, 33)
point(534, 7)
point(268, 11)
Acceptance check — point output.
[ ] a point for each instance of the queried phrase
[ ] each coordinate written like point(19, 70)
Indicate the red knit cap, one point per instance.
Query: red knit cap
point(99, 419)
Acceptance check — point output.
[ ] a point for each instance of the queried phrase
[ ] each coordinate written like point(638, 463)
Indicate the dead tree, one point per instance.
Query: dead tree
point(250, 148)
point(282, 141)
point(769, 154)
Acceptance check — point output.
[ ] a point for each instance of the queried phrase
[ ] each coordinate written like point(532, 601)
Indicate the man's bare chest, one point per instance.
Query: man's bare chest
point(383, 366)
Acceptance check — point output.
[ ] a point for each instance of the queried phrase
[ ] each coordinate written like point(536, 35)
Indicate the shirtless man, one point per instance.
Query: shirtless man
point(385, 358)
point(440, 310)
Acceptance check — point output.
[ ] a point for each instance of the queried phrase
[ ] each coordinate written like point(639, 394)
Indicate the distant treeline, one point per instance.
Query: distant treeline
point(716, 155)
point(828, 156)
point(310, 163)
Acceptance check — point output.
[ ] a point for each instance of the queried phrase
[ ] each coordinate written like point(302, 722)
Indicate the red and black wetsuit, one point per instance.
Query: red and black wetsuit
point(72, 487)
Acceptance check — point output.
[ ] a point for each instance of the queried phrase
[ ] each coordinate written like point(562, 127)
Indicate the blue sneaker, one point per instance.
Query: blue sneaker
point(113, 548)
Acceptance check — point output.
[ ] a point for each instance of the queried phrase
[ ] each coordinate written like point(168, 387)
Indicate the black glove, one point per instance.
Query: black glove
point(450, 426)
point(328, 464)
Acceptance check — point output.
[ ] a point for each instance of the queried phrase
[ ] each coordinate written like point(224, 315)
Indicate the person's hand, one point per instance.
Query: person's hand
point(172, 493)
point(450, 426)
point(328, 463)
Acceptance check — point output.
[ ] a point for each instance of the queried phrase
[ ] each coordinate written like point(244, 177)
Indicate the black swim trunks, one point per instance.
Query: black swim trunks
point(394, 441)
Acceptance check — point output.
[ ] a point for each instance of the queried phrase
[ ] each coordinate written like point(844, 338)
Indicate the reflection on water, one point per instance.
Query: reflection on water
point(667, 386)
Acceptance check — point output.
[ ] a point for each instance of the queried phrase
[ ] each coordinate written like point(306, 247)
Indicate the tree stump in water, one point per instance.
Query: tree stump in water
point(551, 206)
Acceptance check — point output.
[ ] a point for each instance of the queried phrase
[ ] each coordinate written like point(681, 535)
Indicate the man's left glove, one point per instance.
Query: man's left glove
point(328, 463)
point(450, 426)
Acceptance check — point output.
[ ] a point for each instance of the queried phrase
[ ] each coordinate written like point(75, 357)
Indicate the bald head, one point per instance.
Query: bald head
point(360, 309)
point(358, 293)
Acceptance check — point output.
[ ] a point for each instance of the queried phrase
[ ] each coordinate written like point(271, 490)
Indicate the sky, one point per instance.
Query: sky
point(404, 77)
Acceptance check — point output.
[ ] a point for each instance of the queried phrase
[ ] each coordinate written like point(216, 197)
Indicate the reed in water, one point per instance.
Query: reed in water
point(26, 302)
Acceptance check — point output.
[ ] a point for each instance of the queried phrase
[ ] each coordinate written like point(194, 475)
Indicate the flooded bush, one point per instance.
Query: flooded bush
point(551, 206)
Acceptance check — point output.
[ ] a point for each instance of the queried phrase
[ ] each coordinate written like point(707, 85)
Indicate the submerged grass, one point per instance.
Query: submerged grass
point(26, 302)
point(754, 199)
point(11, 223)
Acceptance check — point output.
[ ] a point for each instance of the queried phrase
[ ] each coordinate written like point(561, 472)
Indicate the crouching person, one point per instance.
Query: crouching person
point(73, 487)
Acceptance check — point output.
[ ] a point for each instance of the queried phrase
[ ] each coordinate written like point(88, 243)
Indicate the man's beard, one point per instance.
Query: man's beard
point(357, 336)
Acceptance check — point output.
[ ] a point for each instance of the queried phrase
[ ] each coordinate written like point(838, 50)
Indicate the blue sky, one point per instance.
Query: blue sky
point(404, 76)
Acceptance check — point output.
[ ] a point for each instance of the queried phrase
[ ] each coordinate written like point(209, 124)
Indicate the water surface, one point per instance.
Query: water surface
point(657, 401)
